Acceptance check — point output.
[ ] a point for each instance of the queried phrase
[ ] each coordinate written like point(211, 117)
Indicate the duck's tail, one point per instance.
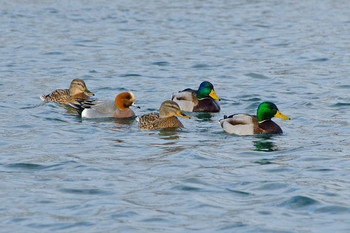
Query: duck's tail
point(44, 98)
point(77, 106)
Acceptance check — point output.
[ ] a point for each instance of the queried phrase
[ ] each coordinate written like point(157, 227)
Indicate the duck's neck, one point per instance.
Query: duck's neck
point(73, 92)
point(263, 121)
point(201, 95)
point(263, 115)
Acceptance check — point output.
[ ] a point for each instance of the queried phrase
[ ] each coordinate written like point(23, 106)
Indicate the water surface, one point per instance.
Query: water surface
point(63, 173)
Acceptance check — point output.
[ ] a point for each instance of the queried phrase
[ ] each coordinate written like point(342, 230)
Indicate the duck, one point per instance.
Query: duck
point(166, 118)
point(118, 108)
point(245, 124)
point(202, 100)
point(76, 91)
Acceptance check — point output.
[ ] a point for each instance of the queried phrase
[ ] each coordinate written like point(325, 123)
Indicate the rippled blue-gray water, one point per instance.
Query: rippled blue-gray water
point(66, 174)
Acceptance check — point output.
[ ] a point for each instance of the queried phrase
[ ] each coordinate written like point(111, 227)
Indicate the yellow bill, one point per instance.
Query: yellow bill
point(181, 114)
point(280, 115)
point(86, 91)
point(213, 95)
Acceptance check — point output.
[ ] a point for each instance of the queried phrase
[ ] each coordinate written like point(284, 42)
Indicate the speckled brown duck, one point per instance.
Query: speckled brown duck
point(166, 118)
point(76, 91)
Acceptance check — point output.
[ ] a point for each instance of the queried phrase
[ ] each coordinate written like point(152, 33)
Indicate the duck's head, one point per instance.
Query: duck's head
point(124, 100)
point(78, 86)
point(169, 108)
point(205, 90)
point(267, 110)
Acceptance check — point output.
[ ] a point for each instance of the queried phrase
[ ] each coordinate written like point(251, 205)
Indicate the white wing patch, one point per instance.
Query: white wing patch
point(184, 100)
point(239, 124)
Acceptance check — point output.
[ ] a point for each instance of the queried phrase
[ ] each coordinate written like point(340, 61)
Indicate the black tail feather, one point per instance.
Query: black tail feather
point(77, 107)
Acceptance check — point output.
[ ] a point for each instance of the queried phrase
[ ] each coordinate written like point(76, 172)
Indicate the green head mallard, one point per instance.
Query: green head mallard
point(267, 110)
point(205, 90)
point(202, 100)
point(245, 124)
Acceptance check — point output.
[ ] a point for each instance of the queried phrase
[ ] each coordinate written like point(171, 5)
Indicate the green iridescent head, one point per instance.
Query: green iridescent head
point(205, 90)
point(267, 110)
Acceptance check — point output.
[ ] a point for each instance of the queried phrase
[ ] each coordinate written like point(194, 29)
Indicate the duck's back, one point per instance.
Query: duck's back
point(186, 99)
point(96, 108)
point(63, 96)
point(146, 122)
point(60, 96)
point(239, 124)
point(153, 121)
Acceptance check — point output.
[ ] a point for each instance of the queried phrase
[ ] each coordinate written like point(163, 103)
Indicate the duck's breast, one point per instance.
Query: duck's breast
point(270, 127)
point(169, 122)
point(124, 113)
point(207, 105)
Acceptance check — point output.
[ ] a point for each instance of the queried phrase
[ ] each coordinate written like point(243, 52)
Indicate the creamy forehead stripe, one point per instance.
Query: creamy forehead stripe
point(132, 95)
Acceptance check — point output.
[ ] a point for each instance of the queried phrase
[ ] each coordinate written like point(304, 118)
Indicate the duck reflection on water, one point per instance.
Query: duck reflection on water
point(264, 143)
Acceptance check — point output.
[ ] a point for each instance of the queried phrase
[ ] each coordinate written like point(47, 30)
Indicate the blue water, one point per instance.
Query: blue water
point(66, 174)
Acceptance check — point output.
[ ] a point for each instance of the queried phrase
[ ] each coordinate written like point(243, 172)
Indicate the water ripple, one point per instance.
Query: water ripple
point(30, 166)
point(299, 202)
point(257, 76)
point(333, 210)
point(240, 193)
point(161, 63)
point(60, 172)
point(85, 191)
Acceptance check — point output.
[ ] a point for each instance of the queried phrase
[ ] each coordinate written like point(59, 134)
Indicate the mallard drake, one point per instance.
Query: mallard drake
point(164, 119)
point(65, 96)
point(118, 108)
point(244, 124)
point(202, 100)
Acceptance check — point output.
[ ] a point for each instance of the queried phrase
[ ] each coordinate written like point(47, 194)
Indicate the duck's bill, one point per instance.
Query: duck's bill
point(181, 114)
point(213, 95)
point(280, 115)
point(136, 106)
point(86, 91)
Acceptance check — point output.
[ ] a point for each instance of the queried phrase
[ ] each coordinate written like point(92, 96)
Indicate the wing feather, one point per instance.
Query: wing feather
point(240, 124)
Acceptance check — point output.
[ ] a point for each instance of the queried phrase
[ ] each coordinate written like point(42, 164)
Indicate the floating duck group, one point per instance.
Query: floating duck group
point(202, 100)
